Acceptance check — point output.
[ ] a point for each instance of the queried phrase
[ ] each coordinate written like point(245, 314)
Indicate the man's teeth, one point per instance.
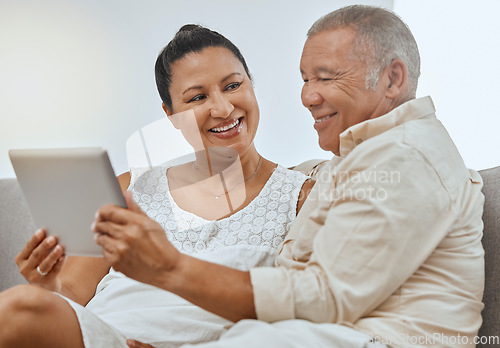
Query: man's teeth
point(323, 119)
point(225, 128)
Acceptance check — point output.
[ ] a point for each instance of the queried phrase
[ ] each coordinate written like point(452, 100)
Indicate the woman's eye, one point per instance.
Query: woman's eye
point(197, 98)
point(233, 85)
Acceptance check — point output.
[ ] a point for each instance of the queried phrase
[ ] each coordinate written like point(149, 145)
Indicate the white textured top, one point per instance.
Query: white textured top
point(246, 239)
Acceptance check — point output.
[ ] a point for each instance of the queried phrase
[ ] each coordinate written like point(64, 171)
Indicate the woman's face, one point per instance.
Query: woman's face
point(214, 85)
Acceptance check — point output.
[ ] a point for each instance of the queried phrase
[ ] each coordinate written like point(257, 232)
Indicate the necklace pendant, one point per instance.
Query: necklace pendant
point(216, 197)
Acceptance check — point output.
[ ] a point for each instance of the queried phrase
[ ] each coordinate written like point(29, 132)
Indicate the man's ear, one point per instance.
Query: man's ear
point(396, 79)
point(170, 116)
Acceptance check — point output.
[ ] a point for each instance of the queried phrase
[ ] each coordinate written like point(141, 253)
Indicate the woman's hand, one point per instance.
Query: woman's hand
point(134, 244)
point(41, 260)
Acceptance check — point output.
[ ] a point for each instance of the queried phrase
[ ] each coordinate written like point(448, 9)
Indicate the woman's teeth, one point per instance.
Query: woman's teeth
point(226, 128)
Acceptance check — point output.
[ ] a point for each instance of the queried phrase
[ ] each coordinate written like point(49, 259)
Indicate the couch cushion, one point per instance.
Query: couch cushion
point(491, 244)
point(16, 226)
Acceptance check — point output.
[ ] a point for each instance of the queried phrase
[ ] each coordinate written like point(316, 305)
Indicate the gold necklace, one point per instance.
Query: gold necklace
point(226, 191)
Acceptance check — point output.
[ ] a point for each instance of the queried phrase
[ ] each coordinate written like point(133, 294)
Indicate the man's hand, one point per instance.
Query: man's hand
point(134, 244)
point(137, 344)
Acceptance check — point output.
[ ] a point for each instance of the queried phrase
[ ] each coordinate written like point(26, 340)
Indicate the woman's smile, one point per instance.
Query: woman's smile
point(228, 129)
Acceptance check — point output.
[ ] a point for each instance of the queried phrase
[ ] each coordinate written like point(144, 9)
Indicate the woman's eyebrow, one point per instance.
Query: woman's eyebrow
point(190, 88)
point(224, 79)
point(230, 75)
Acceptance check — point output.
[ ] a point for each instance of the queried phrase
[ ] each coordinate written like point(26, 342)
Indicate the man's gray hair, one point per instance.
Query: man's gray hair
point(381, 37)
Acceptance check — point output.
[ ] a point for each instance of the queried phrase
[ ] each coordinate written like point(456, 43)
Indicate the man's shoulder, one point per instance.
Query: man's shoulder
point(420, 143)
point(310, 167)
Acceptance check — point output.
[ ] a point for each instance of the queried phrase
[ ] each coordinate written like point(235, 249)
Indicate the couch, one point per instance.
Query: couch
point(16, 226)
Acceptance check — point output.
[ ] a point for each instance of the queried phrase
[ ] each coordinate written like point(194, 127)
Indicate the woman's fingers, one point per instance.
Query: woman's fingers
point(42, 251)
point(32, 243)
point(41, 259)
point(49, 263)
point(37, 253)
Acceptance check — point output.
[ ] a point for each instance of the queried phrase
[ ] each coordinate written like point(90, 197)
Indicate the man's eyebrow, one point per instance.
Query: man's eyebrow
point(326, 70)
point(322, 70)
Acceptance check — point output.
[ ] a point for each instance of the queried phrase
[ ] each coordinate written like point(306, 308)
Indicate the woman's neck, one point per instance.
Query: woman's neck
point(214, 161)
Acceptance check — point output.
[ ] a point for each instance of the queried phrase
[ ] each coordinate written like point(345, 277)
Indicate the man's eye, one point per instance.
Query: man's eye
point(232, 86)
point(326, 79)
point(197, 98)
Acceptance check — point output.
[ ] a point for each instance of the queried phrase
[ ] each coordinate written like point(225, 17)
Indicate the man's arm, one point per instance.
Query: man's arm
point(360, 243)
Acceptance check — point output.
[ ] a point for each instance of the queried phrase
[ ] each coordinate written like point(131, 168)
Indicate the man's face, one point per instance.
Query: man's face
point(334, 88)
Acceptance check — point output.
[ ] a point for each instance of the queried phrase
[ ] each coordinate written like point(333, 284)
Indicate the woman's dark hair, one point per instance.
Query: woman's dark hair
point(190, 38)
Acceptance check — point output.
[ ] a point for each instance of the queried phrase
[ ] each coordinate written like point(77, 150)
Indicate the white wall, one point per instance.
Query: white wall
point(460, 53)
point(80, 73)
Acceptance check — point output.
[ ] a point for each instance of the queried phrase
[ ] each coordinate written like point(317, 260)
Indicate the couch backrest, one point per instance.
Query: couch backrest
point(491, 244)
point(16, 227)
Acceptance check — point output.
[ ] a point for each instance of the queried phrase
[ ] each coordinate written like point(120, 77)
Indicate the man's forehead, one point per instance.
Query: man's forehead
point(340, 40)
point(329, 45)
point(319, 69)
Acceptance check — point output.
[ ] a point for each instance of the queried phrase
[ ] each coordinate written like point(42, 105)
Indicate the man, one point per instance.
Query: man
point(387, 248)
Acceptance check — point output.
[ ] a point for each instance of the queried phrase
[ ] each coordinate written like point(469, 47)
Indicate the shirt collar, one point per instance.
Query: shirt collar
point(411, 110)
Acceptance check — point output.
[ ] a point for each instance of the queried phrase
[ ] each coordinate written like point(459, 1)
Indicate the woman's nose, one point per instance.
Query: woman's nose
point(310, 97)
point(221, 106)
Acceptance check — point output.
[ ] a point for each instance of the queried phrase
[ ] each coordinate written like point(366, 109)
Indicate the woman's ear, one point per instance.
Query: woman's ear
point(170, 116)
point(396, 79)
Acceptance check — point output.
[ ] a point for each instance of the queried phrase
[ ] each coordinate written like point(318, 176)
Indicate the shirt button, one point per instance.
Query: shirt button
point(358, 141)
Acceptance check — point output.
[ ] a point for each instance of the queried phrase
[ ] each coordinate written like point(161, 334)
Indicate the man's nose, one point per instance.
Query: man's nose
point(310, 96)
point(221, 106)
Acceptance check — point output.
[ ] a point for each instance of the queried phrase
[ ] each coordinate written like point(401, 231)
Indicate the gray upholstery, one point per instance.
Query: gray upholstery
point(491, 244)
point(16, 226)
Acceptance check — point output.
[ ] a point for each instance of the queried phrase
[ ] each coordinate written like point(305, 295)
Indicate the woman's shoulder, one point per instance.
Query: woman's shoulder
point(290, 174)
point(303, 184)
point(124, 181)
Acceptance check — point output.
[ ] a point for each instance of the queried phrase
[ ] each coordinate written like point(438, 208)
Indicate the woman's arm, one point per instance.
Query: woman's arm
point(80, 276)
point(304, 192)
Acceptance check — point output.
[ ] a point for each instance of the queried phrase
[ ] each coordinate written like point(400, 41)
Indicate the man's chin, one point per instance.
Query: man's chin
point(328, 146)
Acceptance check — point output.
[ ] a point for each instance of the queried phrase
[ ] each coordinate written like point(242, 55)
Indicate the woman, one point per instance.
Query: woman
point(211, 208)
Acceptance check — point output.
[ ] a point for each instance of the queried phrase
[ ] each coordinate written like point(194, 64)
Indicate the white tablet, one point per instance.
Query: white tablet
point(64, 188)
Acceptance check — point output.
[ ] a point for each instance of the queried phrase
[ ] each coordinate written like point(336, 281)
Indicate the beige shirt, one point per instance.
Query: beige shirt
point(389, 239)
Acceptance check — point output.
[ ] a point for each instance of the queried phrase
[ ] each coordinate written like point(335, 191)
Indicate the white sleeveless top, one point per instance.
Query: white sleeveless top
point(248, 238)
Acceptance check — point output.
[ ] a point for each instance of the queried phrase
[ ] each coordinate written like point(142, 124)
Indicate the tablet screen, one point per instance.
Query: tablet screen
point(64, 188)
